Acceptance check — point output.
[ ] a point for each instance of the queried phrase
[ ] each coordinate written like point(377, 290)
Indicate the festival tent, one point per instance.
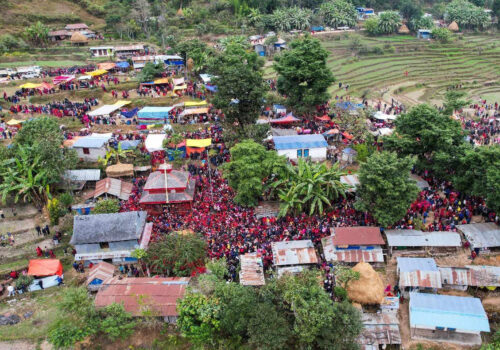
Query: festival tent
point(153, 115)
point(197, 146)
point(382, 116)
point(194, 111)
point(179, 81)
point(14, 122)
point(180, 87)
point(84, 77)
point(106, 66)
point(129, 144)
point(211, 88)
point(285, 120)
point(45, 267)
point(45, 85)
point(97, 73)
point(122, 65)
point(129, 114)
point(324, 118)
point(195, 103)
point(206, 78)
point(30, 86)
point(62, 79)
point(108, 109)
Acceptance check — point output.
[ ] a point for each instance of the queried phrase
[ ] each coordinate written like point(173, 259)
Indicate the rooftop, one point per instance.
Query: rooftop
point(299, 141)
point(358, 235)
point(471, 275)
point(294, 253)
point(156, 296)
point(484, 235)
point(460, 313)
point(175, 179)
point(114, 187)
point(108, 227)
point(416, 238)
point(252, 270)
point(418, 272)
point(91, 141)
point(82, 175)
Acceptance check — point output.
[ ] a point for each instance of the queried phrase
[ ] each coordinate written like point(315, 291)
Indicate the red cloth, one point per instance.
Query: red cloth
point(45, 267)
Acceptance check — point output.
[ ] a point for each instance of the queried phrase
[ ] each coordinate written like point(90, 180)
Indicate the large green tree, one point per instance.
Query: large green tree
point(251, 164)
point(454, 100)
point(385, 189)
point(240, 87)
point(37, 33)
point(423, 132)
point(303, 75)
point(467, 15)
point(389, 22)
point(176, 254)
point(309, 187)
point(339, 13)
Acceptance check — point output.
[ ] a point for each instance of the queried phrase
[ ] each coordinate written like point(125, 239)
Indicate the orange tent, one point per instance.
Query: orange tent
point(45, 267)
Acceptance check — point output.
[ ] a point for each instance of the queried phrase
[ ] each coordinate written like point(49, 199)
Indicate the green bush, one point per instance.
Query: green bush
point(443, 35)
point(24, 281)
point(55, 210)
point(64, 335)
point(116, 322)
point(106, 206)
point(66, 199)
point(340, 293)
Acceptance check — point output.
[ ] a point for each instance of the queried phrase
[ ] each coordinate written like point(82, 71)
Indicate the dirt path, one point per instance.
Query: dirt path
point(17, 345)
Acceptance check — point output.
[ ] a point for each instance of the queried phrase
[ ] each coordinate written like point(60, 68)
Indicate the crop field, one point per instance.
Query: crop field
point(375, 67)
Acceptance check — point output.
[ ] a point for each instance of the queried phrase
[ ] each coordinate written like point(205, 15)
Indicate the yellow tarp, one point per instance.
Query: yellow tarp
point(122, 103)
point(181, 87)
point(30, 86)
point(97, 72)
point(195, 103)
point(198, 143)
point(15, 122)
point(162, 81)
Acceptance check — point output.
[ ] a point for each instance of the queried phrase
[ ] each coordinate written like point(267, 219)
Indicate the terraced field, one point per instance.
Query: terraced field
point(473, 61)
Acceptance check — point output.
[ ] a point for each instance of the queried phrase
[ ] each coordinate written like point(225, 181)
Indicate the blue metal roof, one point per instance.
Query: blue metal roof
point(299, 141)
point(416, 264)
point(154, 112)
point(460, 313)
point(90, 142)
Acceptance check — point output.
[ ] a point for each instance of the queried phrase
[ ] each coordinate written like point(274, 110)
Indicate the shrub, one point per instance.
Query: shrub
point(66, 199)
point(55, 210)
point(340, 293)
point(24, 281)
point(106, 206)
point(443, 35)
point(371, 26)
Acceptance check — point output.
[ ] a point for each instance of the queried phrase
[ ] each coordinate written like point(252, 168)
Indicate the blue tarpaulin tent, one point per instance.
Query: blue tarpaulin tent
point(130, 114)
point(211, 88)
point(154, 115)
point(347, 105)
point(123, 64)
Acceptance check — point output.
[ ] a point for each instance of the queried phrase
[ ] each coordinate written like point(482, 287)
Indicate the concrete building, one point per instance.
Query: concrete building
point(90, 148)
point(302, 146)
point(102, 51)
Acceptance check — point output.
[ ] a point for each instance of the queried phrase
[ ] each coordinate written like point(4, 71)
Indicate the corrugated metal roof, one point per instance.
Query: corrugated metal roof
point(157, 296)
point(294, 253)
point(460, 313)
point(91, 142)
point(299, 141)
point(418, 272)
point(293, 270)
point(252, 270)
point(471, 275)
point(416, 238)
point(379, 329)
point(357, 235)
point(356, 255)
point(484, 235)
point(83, 175)
point(114, 187)
point(102, 271)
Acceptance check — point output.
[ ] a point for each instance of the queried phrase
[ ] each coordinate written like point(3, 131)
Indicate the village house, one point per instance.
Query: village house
point(128, 50)
point(418, 274)
point(98, 274)
point(102, 51)
point(59, 35)
point(482, 237)
point(143, 296)
point(293, 256)
point(251, 270)
point(76, 27)
point(379, 330)
point(354, 244)
point(110, 237)
point(447, 318)
point(111, 187)
point(301, 146)
point(90, 148)
point(415, 241)
point(470, 276)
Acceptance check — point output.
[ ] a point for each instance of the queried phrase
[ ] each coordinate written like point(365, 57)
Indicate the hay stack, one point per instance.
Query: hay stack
point(369, 289)
point(120, 169)
point(453, 27)
point(403, 29)
point(180, 13)
point(78, 38)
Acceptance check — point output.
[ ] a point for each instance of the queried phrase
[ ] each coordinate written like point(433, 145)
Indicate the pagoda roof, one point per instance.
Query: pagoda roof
point(176, 180)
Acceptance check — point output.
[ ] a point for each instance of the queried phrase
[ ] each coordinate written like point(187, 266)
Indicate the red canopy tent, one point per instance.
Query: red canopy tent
point(45, 267)
point(44, 86)
point(289, 119)
point(324, 118)
point(347, 135)
point(62, 79)
point(332, 132)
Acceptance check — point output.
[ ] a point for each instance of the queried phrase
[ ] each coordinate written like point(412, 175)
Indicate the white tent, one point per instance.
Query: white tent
point(154, 142)
point(382, 116)
point(105, 110)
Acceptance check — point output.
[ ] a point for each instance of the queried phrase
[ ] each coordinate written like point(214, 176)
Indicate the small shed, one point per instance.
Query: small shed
point(424, 34)
point(483, 236)
point(349, 155)
point(418, 274)
point(98, 274)
point(77, 178)
point(416, 239)
point(251, 270)
point(447, 318)
point(301, 146)
point(90, 148)
point(144, 296)
point(354, 244)
point(300, 253)
point(379, 330)
point(112, 187)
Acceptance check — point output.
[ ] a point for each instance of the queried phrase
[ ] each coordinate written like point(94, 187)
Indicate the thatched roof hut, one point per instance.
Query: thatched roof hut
point(180, 13)
point(403, 29)
point(119, 170)
point(369, 289)
point(78, 38)
point(453, 27)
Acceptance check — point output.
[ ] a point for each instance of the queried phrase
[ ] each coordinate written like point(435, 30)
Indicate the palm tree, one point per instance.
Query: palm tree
point(309, 187)
point(389, 22)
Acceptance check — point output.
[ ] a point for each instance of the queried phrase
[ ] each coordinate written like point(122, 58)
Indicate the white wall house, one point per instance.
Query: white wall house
point(301, 146)
point(102, 51)
point(90, 148)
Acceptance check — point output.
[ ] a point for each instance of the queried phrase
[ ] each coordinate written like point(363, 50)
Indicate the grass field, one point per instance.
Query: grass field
point(473, 61)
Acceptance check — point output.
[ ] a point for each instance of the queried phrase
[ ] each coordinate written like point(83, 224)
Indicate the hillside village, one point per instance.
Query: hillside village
point(250, 175)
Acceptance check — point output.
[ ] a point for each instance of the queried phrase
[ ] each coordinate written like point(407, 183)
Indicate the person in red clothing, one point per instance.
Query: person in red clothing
point(39, 251)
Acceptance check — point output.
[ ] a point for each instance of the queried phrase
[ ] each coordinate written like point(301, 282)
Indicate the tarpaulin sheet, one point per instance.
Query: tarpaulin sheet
point(106, 65)
point(198, 143)
point(45, 267)
point(97, 72)
point(195, 103)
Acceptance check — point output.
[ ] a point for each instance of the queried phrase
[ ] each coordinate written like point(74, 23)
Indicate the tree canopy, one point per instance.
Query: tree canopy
point(385, 189)
point(339, 13)
point(176, 254)
point(251, 164)
point(303, 75)
point(240, 87)
point(467, 15)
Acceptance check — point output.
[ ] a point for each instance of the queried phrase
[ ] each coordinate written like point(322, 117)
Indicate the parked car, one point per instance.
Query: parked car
point(30, 75)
